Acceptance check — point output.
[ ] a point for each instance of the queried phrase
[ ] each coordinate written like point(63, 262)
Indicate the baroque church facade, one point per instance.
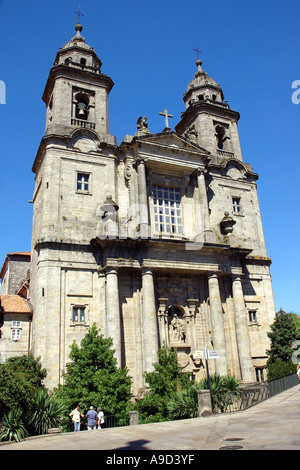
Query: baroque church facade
point(157, 240)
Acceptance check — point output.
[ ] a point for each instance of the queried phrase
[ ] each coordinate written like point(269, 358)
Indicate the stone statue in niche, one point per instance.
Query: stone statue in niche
point(177, 332)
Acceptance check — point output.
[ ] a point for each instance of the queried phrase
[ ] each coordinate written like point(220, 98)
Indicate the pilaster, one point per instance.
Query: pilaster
point(113, 324)
point(218, 333)
point(242, 331)
point(149, 320)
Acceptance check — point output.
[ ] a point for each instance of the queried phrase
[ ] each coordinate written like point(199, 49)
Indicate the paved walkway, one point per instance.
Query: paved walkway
point(271, 425)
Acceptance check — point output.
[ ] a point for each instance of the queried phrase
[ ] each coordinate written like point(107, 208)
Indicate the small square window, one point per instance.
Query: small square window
point(78, 314)
point(252, 316)
point(83, 182)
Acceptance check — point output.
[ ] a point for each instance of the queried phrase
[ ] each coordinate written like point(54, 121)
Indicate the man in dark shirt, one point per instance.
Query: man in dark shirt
point(91, 418)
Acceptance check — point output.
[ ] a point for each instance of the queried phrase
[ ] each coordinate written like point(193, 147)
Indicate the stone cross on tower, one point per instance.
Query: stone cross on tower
point(165, 113)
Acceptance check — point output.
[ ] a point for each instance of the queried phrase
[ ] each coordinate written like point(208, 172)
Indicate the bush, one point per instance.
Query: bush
point(279, 368)
point(20, 378)
point(164, 382)
point(224, 390)
point(183, 404)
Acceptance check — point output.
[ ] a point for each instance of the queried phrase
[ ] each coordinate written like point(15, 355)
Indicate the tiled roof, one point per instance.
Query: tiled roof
point(21, 253)
point(14, 304)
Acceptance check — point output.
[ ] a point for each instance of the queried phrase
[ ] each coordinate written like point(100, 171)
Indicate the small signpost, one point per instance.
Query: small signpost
point(209, 354)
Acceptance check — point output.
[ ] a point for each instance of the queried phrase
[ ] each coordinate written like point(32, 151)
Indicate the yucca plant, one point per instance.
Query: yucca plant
point(183, 404)
point(224, 390)
point(47, 413)
point(13, 426)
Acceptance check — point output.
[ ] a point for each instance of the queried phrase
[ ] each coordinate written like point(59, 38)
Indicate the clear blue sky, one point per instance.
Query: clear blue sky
point(250, 48)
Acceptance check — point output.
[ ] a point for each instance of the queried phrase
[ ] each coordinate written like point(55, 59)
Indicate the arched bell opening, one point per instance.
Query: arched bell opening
point(82, 106)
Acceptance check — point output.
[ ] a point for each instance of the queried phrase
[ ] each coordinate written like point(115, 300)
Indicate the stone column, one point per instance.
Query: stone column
point(149, 320)
point(242, 330)
point(143, 199)
point(218, 333)
point(113, 324)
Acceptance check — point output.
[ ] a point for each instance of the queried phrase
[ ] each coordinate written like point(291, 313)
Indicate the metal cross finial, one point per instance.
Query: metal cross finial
point(79, 14)
point(197, 52)
point(165, 113)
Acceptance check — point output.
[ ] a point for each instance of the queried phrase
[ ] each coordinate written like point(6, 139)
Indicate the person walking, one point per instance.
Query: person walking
point(100, 417)
point(91, 419)
point(75, 416)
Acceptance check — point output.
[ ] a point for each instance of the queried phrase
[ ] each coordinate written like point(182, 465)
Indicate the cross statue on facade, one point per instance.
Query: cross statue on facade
point(165, 113)
point(197, 52)
point(79, 14)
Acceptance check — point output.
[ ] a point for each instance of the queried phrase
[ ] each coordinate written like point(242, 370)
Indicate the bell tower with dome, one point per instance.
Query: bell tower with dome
point(76, 93)
point(210, 116)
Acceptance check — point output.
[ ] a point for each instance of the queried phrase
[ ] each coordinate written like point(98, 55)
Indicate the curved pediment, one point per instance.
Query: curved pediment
point(85, 140)
point(235, 169)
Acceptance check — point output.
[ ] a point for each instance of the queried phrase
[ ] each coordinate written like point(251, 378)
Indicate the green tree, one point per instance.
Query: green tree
point(282, 335)
point(20, 378)
point(163, 382)
point(93, 378)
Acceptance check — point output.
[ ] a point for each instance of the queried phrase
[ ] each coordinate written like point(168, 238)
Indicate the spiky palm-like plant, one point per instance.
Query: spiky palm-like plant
point(183, 404)
point(48, 413)
point(13, 426)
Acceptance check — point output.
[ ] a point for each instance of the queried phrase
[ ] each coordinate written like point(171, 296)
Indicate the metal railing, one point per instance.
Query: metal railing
point(280, 384)
point(256, 393)
point(112, 421)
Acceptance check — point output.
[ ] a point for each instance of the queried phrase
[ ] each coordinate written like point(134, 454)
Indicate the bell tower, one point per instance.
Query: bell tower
point(76, 93)
point(209, 117)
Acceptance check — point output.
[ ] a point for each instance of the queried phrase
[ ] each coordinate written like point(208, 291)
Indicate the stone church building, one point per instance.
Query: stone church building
point(156, 240)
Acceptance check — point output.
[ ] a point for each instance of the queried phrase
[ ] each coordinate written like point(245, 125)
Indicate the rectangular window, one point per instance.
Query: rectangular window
point(167, 210)
point(236, 205)
point(83, 182)
point(252, 316)
point(259, 371)
point(15, 334)
point(16, 324)
point(78, 314)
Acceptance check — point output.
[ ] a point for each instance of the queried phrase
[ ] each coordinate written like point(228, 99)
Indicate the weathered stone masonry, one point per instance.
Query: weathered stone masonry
point(156, 240)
